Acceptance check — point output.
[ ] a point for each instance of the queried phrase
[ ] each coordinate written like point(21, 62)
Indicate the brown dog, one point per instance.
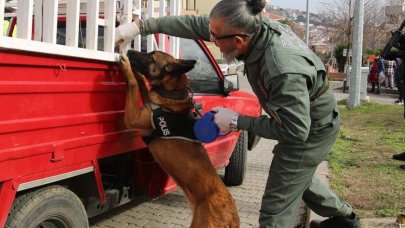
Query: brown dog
point(185, 160)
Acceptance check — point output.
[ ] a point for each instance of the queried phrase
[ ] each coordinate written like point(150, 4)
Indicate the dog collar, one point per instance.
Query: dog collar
point(175, 94)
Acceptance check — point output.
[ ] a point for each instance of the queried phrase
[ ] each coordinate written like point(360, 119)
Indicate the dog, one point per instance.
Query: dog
point(184, 159)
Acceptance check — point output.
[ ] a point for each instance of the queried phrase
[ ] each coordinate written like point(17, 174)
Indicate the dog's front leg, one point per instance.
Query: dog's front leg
point(135, 116)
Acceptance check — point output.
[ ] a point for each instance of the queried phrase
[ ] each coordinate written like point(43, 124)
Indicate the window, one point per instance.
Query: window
point(61, 35)
point(203, 78)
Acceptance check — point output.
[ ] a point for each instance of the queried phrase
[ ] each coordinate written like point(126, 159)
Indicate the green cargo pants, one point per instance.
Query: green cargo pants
point(292, 178)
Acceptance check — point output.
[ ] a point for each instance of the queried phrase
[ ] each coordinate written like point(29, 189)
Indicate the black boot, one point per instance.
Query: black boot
point(402, 166)
point(351, 221)
point(372, 88)
point(400, 157)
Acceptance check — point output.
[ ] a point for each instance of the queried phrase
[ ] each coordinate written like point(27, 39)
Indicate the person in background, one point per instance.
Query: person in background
point(398, 82)
point(381, 74)
point(389, 69)
point(291, 84)
point(373, 77)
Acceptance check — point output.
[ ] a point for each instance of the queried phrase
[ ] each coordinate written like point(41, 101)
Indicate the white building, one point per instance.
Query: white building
point(394, 11)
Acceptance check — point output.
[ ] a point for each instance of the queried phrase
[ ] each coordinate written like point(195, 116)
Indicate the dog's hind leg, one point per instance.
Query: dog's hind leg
point(189, 165)
point(217, 211)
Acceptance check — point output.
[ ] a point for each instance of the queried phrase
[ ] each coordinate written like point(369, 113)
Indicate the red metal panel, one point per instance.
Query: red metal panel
point(52, 172)
point(48, 98)
point(57, 112)
point(7, 194)
point(221, 149)
point(35, 160)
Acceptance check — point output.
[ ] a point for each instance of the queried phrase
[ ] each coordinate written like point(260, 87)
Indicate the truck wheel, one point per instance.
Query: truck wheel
point(52, 206)
point(235, 170)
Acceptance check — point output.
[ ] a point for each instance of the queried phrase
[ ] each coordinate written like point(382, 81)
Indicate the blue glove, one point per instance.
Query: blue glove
point(224, 117)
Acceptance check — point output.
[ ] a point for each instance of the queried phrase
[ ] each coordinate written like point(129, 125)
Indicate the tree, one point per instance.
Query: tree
point(340, 59)
point(340, 17)
point(301, 18)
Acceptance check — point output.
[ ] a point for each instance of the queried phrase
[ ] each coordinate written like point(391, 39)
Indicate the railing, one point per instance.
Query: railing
point(43, 16)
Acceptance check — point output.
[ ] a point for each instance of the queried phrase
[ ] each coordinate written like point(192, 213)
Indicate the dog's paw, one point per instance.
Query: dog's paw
point(126, 69)
point(125, 64)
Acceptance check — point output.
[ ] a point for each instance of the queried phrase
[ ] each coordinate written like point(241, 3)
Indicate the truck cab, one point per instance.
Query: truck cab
point(65, 154)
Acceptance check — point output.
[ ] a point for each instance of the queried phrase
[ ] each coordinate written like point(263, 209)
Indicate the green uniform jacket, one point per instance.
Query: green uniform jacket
point(284, 74)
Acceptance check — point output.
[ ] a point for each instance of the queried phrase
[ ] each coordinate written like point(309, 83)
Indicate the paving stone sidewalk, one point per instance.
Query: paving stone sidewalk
point(172, 210)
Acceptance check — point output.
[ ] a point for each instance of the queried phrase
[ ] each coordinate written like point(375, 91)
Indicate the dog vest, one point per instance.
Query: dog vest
point(169, 125)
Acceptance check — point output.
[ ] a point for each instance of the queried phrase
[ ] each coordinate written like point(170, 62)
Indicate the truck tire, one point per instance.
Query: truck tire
point(236, 169)
point(52, 206)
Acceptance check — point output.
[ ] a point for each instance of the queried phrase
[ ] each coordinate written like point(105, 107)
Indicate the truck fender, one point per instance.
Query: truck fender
point(8, 190)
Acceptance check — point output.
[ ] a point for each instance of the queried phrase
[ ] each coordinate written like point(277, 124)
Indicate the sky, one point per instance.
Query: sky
point(297, 4)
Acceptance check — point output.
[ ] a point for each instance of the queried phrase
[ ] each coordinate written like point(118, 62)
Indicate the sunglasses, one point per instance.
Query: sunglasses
point(214, 37)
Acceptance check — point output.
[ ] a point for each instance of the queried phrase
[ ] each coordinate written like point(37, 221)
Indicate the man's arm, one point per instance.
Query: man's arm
point(188, 26)
point(192, 27)
point(289, 104)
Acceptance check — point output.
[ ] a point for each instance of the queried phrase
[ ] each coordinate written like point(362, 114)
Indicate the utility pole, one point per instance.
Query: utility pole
point(307, 26)
point(355, 74)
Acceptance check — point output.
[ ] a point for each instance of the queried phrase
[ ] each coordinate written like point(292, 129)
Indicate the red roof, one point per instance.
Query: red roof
point(275, 17)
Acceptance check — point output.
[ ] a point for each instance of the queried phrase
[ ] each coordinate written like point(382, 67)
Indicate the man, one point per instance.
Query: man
point(381, 73)
point(401, 76)
point(291, 84)
point(392, 55)
point(389, 68)
point(398, 82)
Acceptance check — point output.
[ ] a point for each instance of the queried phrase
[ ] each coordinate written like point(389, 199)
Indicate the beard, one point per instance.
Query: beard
point(230, 56)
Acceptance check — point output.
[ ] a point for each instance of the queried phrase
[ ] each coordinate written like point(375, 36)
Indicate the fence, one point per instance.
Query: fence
point(38, 19)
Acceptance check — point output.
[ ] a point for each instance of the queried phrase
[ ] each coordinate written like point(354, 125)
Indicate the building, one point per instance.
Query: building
point(394, 11)
point(197, 7)
point(200, 7)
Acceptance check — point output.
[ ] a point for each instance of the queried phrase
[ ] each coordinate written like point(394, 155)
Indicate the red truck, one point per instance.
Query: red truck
point(65, 155)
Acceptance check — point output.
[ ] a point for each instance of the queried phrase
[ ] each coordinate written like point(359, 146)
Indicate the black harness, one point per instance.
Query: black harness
point(168, 125)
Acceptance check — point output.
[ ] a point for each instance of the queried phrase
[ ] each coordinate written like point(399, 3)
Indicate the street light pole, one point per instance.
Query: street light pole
point(307, 26)
point(355, 74)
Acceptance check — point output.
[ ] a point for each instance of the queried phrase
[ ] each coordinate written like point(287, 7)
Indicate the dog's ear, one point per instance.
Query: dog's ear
point(181, 66)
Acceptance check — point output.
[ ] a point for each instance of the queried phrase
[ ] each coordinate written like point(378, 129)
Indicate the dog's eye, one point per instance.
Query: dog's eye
point(154, 70)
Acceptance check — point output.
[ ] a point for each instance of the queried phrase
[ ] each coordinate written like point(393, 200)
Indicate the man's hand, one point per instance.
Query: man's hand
point(125, 33)
point(223, 118)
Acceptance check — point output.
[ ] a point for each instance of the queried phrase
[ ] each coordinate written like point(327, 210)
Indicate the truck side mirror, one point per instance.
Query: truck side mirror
point(231, 83)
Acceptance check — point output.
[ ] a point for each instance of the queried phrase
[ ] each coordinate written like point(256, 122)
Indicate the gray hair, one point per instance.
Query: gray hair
point(239, 14)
